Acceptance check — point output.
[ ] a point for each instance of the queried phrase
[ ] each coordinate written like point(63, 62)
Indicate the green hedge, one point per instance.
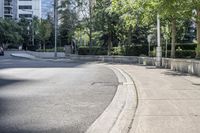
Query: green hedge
point(184, 46)
point(186, 54)
point(136, 50)
point(91, 51)
point(125, 50)
point(179, 54)
point(130, 50)
point(59, 49)
point(118, 51)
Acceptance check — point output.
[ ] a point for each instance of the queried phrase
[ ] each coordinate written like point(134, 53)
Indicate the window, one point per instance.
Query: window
point(25, 15)
point(25, 7)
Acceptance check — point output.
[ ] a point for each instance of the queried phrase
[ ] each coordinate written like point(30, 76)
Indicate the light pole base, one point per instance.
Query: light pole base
point(158, 56)
point(55, 55)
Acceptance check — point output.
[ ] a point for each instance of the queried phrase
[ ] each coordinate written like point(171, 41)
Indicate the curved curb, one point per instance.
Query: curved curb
point(23, 56)
point(119, 115)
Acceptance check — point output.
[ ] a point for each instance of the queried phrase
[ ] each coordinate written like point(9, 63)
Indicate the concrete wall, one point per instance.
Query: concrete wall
point(1, 8)
point(36, 8)
point(112, 59)
point(46, 54)
point(181, 65)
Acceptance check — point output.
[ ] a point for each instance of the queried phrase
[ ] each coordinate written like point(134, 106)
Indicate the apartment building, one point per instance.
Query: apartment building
point(28, 9)
point(17, 9)
point(8, 8)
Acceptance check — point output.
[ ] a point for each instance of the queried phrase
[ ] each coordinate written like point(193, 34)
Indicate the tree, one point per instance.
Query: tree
point(194, 6)
point(25, 32)
point(9, 32)
point(106, 23)
point(68, 21)
point(172, 10)
point(44, 32)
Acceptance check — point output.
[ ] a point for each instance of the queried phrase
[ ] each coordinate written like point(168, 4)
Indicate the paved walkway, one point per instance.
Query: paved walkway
point(168, 102)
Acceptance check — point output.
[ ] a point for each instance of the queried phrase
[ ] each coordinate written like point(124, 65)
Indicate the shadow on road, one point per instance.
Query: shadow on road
point(26, 63)
point(5, 82)
point(52, 102)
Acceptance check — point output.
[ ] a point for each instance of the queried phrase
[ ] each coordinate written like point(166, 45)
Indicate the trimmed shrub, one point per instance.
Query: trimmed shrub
point(59, 49)
point(179, 54)
point(197, 52)
point(125, 50)
point(133, 50)
point(91, 51)
point(186, 54)
point(118, 51)
point(186, 46)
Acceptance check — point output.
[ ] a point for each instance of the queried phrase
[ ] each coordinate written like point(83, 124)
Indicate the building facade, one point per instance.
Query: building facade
point(17, 9)
point(8, 8)
point(28, 9)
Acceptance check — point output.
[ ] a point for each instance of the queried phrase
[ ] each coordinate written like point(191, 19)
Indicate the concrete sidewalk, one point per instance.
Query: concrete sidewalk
point(168, 102)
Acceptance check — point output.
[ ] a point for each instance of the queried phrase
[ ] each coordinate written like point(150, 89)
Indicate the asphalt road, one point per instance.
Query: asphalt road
point(41, 96)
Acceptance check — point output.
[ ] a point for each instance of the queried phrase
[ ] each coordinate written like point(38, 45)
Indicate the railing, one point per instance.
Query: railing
point(8, 4)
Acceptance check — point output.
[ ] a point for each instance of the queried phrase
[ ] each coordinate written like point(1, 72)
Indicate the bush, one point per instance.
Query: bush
point(179, 54)
point(91, 51)
point(186, 54)
point(197, 52)
point(118, 51)
point(31, 48)
point(133, 50)
point(59, 49)
point(12, 47)
point(130, 50)
point(125, 50)
point(186, 46)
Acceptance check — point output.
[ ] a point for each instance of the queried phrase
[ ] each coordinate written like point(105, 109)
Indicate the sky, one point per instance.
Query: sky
point(46, 7)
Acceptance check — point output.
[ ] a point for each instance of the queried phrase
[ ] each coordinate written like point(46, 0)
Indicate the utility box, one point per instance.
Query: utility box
point(68, 50)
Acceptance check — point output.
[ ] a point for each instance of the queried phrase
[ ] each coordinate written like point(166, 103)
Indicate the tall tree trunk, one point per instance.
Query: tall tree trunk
point(44, 46)
point(129, 37)
point(198, 33)
point(173, 36)
point(109, 44)
point(90, 24)
point(40, 45)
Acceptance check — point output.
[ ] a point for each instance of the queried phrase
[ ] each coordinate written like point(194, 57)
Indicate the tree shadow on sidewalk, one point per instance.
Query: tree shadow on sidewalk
point(175, 73)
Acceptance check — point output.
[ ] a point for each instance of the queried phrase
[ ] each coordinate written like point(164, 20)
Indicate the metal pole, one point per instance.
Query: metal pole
point(33, 31)
point(159, 49)
point(166, 48)
point(55, 25)
point(149, 49)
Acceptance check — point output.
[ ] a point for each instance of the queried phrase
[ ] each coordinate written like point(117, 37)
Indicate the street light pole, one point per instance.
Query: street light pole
point(149, 37)
point(55, 25)
point(159, 49)
point(33, 31)
point(32, 24)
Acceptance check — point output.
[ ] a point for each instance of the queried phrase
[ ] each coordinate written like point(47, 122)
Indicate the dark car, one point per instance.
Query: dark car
point(1, 51)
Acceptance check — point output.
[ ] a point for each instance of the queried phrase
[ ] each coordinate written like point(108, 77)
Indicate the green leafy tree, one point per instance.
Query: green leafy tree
point(25, 32)
point(194, 6)
point(9, 32)
point(44, 32)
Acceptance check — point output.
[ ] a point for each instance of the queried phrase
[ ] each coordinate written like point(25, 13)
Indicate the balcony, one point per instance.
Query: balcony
point(8, 3)
point(8, 12)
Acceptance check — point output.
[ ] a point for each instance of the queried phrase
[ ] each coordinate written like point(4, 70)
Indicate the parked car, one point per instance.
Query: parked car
point(1, 51)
